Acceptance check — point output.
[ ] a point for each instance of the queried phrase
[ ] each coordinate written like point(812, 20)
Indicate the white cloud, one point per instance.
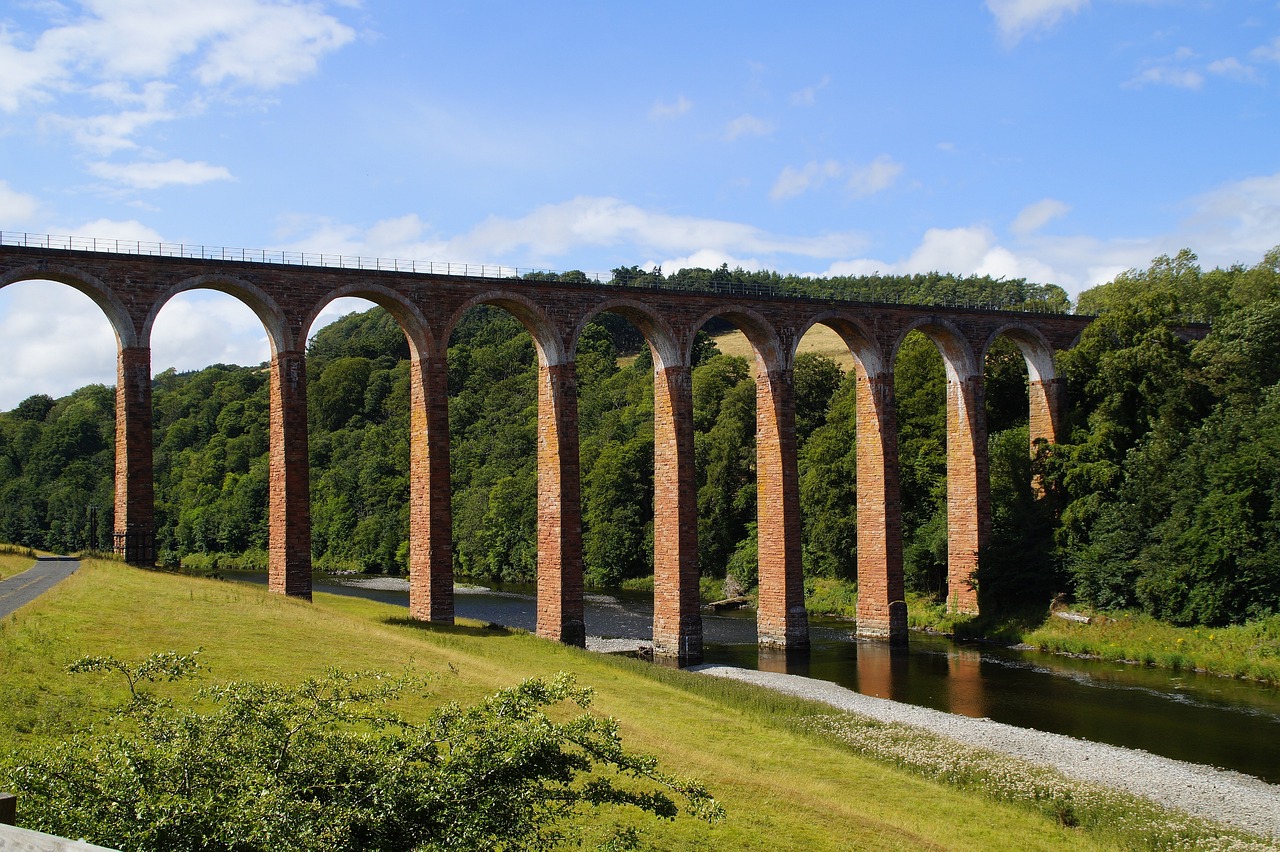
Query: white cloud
point(1235, 223)
point(261, 43)
point(199, 328)
point(555, 233)
point(662, 110)
point(336, 310)
point(808, 96)
point(1269, 52)
point(1000, 262)
point(874, 177)
point(960, 250)
point(55, 340)
point(16, 208)
point(861, 180)
point(1035, 216)
point(813, 174)
point(140, 51)
point(156, 175)
point(403, 237)
point(858, 266)
point(1238, 221)
point(556, 230)
point(1018, 18)
point(1233, 68)
point(272, 45)
point(1163, 75)
point(24, 75)
point(974, 250)
point(130, 229)
point(747, 125)
point(1171, 70)
point(707, 259)
point(110, 132)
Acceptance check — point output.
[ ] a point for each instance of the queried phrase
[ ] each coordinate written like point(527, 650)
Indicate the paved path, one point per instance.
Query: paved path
point(23, 588)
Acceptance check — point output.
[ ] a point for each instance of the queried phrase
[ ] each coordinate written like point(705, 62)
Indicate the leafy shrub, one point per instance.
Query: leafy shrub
point(328, 765)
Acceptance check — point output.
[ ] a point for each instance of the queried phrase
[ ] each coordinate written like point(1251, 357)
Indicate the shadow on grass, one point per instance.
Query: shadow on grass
point(475, 628)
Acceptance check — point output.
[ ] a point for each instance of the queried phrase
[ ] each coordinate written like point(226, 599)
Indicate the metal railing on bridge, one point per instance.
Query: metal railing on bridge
point(488, 270)
point(274, 256)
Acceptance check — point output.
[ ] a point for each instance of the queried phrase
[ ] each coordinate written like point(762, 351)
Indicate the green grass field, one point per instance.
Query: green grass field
point(783, 784)
point(14, 560)
point(1250, 651)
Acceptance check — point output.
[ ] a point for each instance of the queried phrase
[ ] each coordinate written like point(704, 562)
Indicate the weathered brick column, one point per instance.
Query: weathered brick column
point(882, 608)
point(134, 536)
point(560, 615)
point(677, 617)
point(781, 621)
point(430, 509)
point(1048, 400)
point(968, 490)
point(289, 560)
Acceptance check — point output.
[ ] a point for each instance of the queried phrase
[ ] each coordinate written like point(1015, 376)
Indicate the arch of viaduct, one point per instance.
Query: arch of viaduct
point(131, 290)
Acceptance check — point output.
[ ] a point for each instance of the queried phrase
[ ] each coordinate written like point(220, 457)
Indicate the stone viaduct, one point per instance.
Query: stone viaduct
point(287, 296)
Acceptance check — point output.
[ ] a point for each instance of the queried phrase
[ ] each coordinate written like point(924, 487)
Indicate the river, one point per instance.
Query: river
point(1198, 718)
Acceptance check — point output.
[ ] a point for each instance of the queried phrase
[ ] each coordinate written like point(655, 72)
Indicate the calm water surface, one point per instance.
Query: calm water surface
point(1197, 718)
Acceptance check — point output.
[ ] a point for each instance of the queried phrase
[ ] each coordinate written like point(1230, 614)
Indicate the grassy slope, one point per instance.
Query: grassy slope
point(14, 563)
point(819, 339)
point(783, 789)
point(1249, 650)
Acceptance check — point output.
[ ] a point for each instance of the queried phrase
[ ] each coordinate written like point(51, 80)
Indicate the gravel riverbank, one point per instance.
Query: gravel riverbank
point(398, 584)
point(1228, 797)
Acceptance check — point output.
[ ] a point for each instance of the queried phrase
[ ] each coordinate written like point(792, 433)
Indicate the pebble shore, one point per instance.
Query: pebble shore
point(1228, 797)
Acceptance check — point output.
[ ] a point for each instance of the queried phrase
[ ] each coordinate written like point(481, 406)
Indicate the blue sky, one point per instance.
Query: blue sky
point(1059, 140)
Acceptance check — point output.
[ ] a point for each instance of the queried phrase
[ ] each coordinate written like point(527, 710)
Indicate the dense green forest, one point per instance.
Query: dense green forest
point(1165, 495)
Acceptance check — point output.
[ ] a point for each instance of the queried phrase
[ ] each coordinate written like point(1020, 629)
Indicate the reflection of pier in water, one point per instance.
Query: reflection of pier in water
point(965, 683)
point(881, 668)
point(784, 661)
point(885, 671)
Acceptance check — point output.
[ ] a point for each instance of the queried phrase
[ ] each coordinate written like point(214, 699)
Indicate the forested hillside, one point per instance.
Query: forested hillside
point(1165, 496)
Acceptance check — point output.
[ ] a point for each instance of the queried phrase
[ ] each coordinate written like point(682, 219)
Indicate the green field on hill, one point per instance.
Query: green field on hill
point(782, 786)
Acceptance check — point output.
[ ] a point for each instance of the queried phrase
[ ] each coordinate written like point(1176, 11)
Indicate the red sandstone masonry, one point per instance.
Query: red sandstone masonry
point(882, 608)
point(135, 531)
point(560, 613)
point(781, 620)
point(131, 289)
point(677, 620)
point(968, 490)
point(430, 502)
point(1048, 400)
point(289, 551)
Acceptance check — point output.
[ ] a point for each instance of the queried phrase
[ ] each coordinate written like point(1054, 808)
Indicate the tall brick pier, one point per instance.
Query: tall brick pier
point(287, 292)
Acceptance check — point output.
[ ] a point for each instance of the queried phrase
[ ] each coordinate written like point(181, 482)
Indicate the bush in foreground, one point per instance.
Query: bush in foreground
point(328, 765)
